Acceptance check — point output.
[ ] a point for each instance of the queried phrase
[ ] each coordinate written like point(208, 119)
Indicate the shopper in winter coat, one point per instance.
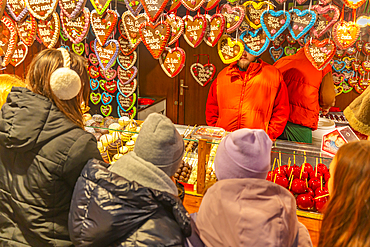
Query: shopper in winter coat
point(133, 202)
point(308, 90)
point(243, 208)
point(43, 149)
point(250, 94)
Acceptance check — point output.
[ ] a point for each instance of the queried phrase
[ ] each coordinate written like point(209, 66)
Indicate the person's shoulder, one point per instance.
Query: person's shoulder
point(268, 68)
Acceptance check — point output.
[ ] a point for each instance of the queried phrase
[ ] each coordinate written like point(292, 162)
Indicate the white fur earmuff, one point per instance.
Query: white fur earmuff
point(65, 82)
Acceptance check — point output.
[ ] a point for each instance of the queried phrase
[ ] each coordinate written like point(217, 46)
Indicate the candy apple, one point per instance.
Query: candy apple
point(305, 201)
point(280, 171)
point(313, 175)
point(326, 177)
point(321, 203)
point(291, 169)
point(285, 168)
point(322, 168)
point(299, 186)
point(308, 168)
point(310, 192)
point(282, 180)
point(314, 183)
point(270, 175)
point(321, 192)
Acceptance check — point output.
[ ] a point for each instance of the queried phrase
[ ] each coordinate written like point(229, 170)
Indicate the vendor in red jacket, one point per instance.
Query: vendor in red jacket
point(308, 89)
point(250, 94)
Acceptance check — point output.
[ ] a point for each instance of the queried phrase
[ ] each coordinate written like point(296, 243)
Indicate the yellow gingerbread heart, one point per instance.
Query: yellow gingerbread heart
point(254, 11)
point(338, 90)
point(229, 50)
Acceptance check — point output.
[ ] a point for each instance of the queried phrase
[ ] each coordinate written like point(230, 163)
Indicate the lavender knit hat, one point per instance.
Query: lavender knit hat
point(245, 153)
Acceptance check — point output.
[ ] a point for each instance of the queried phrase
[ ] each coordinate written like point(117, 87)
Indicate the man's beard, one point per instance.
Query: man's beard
point(243, 64)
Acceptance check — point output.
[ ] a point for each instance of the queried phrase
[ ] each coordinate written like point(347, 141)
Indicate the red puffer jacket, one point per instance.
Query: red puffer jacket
point(255, 99)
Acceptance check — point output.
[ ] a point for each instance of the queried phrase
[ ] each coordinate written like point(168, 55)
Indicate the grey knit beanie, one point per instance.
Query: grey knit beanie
point(160, 144)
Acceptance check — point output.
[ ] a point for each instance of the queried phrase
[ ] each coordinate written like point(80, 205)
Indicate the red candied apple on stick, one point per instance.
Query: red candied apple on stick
point(305, 202)
point(282, 180)
point(320, 203)
point(270, 176)
point(314, 184)
point(322, 168)
point(310, 192)
point(299, 186)
point(308, 168)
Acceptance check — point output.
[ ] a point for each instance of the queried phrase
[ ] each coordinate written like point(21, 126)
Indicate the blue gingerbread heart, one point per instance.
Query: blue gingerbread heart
point(65, 47)
point(126, 100)
point(106, 98)
point(299, 27)
point(276, 54)
point(348, 74)
point(256, 42)
point(274, 26)
point(94, 84)
point(338, 66)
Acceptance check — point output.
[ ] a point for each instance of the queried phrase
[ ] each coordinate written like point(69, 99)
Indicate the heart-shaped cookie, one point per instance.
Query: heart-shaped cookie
point(348, 74)
point(255, 42)
point(346, 88)
point(340, 53)
point(279, 40)
point(72, 8)
point(17, 9)
point(106, 54)
point(110, 86)
point(276, 53)
point(125, 46)
point(210, 4)
point(345, 34)
point(290, 50)
point(359, 44)
point(338, 90)
point(253, 12)
point(102, 84)
point(41, 10)
point(274, 22)
point(233, 17)
point(27, 30)
point(127, 89)
point(172, 61)
point(76, 29)
point(106, 110)
point(177, 27)
point(126, 103)
point(94, 72)
point(103, 26)
point(338, 66)
point(348, 61)
point(153, 8)
point(127, 61)
point(94, 84)
point(326, 17)
point(338, 78)
point(356, 64)
point(95, 98)
point(134, 6)
point(126, 76)
point(106, 98)
point(363, 83)
point(320, 52)
point(131, 24)
point(366, 66)
point(229, 50)
point(48, 31)
point(192, 5)
point(78, 48)
point(354, 4)
point(366, 48)
point(301, 22)
point(93, 59)
point(215, 28)
point(155, 37)
point(19, 54)
point(358, 89)
point(203, 74)
point(351, 51)
point(303, 39)
point(109, 74)
point(100, 6)
point(8, 39)
point(195, 28)
point(130, 114)
point(353, 81)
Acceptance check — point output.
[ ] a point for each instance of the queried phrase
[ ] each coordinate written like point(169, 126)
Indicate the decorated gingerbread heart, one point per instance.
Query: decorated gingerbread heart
point(348, 61)
point(346, 88)
point(125, 46)
point(215, 28)
point(255, 42)
point(48, 31)
point(338, 78)
point(276, 53)
point(131, 24)
point(78, 48)
point(320, 52)
point(93, 59)
point(127, 61)
point(103, 26)
point(338, 66)
point(345, 34)
point(95, 98)
point(126, 76)
point(106, 54)
point(134, 6)
point(41, 10)
point(94, 72)
point(106, 98)
point(229, 50)
point(126, 103)
point(326, 17)
point(233, 17)
point(130, 114)
point(290, 50)
point(340, 53)
point(274, 22)
point(338, 90)
point(109, 74)
point(19, 54)
point(356, 64)
point(254, 11)
point(153, 8)
point(195, 28)
point(172, 61)
point(106, 110)
point(366, 48)
point(279, 40)
point(301, 22)
point(177, 27)
point(127, 89)
point(358, 89)
point(94, 84)
point(363, 83)
point(27, 30)
point(110, 86)
point(100, 5)
point(366, 66)
point(359, 44)
point(353, 81)
point(203, 74)
point(155, 37)
point(348, 74)
point(351, 51)
point(192, 5)
point(76, 29)
point(72, 8)
point(8, 39)
point(17, 9)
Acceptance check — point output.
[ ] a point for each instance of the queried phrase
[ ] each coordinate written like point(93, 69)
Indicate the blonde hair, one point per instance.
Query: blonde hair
point(38, 80)
point(6, 84)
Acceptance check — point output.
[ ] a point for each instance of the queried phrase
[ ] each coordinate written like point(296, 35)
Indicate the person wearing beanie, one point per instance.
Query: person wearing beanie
point(133, 202)
point(358, 113)
point(243, 208)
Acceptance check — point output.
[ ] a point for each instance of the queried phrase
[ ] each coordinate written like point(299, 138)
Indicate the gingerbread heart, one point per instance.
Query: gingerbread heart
point(301, 22)
point(27, 30)
point(229, 50)
point(110, 86)
point(356, 64)
point(106, 98)
point(153, 8)
point(127, 61)
point(155, 37)
point(127, 89)
point(177, 27)
point(348, 74)
point(290, 39)
point(130, 114)
point(366, 66)
point(109, 74)
point(338, 90)
point(346, 88)
point(274, 22)
point(131, 24)
point(125, 46)
point(353, 81)
point(203, 74)
point(126, 76)
point(339, 65)
point(192, 5)
point(338, 78)
point(348, 61)
point(72, 8)
point(17, 9)
point(276, 53)
point(351, 51)
point(41, 10)
point(76, 29)
point(327, 16)
point(345, 33)
point(195, 28)
point(358, 89)
point(254, 11)
point(359, 44)
point(302, 40)
point(103, 26)
point(340, 53)
point(126, 103)
point(256, 42)
point(78, 48)
point(172, 61)
point(102, 84)
point(215, 28)
point(290, 50)
point(48, 31)
point(94, 72)
point(93, 59)
point(134, 6)
point(279, 40)
point(95, 98)
point(8, 39)
point(94, 84)
point(106, 54)
point(233, 17)
point(106, 110)
point(354, 4)
point(19, 54)
point(210, 4)
point(366, 48)
point(100, 5)
point(320, 52)
point(363, 83)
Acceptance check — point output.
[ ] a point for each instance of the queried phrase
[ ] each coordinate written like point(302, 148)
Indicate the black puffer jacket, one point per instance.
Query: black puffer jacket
point(42, 154)
point(108, 210)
